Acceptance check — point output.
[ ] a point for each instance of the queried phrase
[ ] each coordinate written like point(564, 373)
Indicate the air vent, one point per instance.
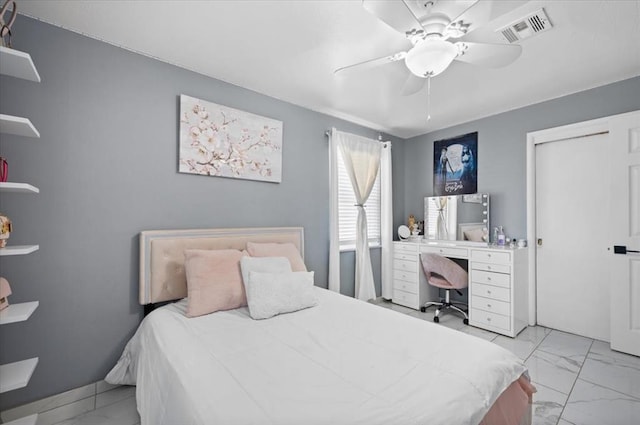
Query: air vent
point(526, 27)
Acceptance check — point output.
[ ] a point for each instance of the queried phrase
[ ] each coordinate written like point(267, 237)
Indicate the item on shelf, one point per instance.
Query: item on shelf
point(403, 232)
point(522, 243)
point(5, 230)
point(4, 170)
point(5, 26)
point(411, 223)
point(5, 291)
point(513, 243)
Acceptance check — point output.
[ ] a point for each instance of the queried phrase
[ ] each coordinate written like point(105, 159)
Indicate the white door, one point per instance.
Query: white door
point(572, 214)
point(625, 228)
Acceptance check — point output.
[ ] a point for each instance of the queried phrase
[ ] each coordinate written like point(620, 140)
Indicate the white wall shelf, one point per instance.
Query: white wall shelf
point(19, 126)
point(27, 420)
point(17, 312)
point(18, 64)
point(15, 63)
point(16, 375)
point(18, 187)
point(18, 249)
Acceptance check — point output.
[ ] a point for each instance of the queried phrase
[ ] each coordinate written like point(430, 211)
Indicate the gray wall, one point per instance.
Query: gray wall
point(106, 166)
point(502, 149)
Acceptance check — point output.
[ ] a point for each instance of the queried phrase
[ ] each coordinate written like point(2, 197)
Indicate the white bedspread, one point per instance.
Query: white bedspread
point(342, 362)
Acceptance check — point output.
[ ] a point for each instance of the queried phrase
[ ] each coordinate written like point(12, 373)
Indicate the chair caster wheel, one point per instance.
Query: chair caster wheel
point(465, 321)
point(423, 309)
point(436, 319)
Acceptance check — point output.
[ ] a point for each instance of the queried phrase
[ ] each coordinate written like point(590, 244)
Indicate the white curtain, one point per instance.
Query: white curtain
point(361, 158)
point(386, 225)
point(334, 230)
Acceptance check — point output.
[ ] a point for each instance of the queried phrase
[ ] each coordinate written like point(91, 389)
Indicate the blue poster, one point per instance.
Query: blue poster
point(455, 165)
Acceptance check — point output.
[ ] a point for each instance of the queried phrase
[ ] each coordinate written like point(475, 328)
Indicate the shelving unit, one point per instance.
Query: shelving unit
point(18, 187)
point(17, 64)
point(17, 312)
point(18, 249)
point(18, 125)
point(17, 374)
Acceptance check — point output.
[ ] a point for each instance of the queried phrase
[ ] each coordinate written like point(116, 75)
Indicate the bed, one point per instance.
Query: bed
point(342, 361)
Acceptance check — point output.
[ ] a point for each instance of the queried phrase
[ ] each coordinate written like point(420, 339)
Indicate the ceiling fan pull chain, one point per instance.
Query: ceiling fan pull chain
point(428, 97)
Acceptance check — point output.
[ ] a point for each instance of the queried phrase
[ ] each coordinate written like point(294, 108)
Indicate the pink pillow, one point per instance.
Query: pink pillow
point(214, 281)
point(289, 250)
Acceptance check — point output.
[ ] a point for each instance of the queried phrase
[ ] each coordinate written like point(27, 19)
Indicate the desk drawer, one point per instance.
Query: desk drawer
point(404, 255)
point(491, 256)
point(405, 275)
point(411, 287)
point(488, 291)
point(405, 247)
point(410, 266)
point(446, 251)
point(490, 278)
point(490, 319)
point(492, 306)
point(499, 268)
point(405, 298)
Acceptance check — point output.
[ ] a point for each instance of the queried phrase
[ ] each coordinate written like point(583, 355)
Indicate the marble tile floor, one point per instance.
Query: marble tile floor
point(580, 381)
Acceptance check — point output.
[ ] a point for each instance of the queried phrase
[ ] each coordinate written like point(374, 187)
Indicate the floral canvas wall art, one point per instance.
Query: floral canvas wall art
point(217, 140)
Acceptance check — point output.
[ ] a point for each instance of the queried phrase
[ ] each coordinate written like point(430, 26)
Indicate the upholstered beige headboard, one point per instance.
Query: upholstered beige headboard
point(162, 275)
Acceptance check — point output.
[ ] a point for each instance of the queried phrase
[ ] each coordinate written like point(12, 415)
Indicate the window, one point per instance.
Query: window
point(348, 213)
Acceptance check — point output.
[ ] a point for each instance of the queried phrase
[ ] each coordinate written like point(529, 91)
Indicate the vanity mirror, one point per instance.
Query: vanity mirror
point(457, 218)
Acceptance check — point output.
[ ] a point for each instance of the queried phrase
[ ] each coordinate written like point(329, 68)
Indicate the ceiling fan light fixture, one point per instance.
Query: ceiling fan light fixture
point(430, 57)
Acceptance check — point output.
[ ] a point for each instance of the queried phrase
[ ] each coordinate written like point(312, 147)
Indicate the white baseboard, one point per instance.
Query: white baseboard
point(69, 404)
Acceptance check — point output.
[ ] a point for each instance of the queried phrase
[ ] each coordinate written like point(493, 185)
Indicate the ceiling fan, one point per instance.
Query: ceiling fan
point(432, 50)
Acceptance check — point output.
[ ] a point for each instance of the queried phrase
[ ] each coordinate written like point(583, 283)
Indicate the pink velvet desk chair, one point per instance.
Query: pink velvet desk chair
point(444, 273)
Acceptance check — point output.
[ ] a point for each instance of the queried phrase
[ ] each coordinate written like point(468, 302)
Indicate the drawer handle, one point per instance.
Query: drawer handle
point(489, 278)
point(489, 255)
point(488, 292)
point(489, 305)
point(488, 319)
point(488, 267)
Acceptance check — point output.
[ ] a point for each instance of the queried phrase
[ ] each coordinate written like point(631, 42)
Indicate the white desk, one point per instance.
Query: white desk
point(498, 282)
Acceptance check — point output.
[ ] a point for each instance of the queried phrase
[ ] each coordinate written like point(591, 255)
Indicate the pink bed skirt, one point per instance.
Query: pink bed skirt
point(513, 407)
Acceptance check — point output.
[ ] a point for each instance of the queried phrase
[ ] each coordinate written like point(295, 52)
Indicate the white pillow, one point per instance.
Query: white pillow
point(270, 294)
point(475, 235)
point(263, 264)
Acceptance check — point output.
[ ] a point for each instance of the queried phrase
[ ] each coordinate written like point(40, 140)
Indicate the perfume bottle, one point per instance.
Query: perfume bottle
point(501, 237)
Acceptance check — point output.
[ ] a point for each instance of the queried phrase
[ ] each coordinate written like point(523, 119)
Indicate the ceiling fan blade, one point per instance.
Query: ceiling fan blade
point(475, 16)
point(489, 55)
point(373, 63)
point(394, 13)
point(412, 85)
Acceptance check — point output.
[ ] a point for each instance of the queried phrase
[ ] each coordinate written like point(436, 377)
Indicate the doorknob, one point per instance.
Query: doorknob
point(622, 249)
point(539, 241)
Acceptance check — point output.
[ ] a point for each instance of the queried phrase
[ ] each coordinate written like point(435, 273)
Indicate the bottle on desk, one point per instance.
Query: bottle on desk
point(500, 238)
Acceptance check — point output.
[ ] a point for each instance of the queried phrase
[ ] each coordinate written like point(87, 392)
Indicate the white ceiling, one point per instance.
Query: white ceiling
point(290, 49)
